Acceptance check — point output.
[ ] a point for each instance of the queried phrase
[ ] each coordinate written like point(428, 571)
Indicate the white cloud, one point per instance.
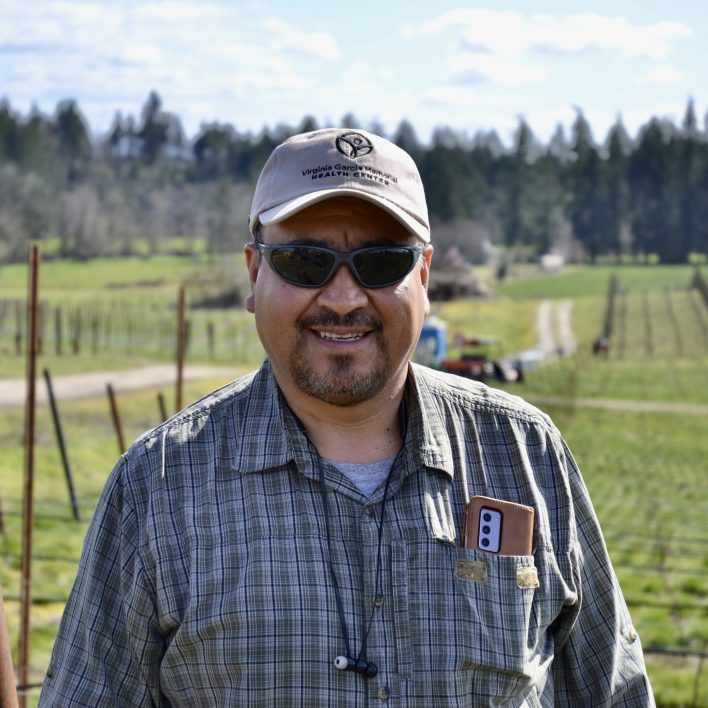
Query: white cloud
point(511, 48)
point(512, 33)
point(592, 32)
point(288, 38)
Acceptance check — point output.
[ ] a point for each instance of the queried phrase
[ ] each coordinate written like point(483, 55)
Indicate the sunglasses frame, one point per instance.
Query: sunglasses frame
point(267, 249)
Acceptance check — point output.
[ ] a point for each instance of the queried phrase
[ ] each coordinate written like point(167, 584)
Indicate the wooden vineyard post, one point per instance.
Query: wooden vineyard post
point(62, 445)
point(163, 406)
point(116, 418)
point(181, 340)
point(28, 500)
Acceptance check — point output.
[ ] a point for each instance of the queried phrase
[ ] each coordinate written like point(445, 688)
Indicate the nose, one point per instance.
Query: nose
point(343, 293)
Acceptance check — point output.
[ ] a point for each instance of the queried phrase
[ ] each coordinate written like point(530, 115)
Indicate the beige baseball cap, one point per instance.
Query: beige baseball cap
point(337, 162)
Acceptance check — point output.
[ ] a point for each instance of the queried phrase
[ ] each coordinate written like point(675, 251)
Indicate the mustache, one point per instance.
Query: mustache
point(354, 319)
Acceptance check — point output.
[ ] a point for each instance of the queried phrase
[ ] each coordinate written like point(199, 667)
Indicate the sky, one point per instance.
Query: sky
point(470, 66)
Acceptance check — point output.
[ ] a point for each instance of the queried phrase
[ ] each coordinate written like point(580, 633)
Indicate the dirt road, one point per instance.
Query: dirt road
point(12, 391)
point(554, 328)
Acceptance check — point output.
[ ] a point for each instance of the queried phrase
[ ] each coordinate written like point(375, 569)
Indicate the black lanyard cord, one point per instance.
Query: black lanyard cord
point(377, 581)
point(360, 664)
point(337, 593)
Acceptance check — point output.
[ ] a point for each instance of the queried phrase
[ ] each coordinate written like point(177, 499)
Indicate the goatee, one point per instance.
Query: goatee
point(340, 383)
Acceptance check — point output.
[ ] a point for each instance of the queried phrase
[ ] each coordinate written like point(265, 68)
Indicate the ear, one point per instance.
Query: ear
point(253, 264)
point(425, 274)
point(425, 267)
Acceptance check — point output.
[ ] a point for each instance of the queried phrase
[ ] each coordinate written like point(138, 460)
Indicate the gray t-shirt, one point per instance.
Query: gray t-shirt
point(367, 476)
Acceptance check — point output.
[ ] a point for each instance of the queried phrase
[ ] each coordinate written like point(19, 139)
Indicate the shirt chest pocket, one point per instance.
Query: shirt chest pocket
point(494, 595)
point(477, 626)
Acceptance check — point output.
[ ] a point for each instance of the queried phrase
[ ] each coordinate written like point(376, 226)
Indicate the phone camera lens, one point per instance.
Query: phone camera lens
point(487, 516)
point(485, 542)
point(486, 529)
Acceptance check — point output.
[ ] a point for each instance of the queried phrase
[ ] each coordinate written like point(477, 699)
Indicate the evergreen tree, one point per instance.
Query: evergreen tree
point(160, 133)
point(406, 139)
point(689, 153)
point(587, 209)
point(72, 141)
point(10, 141)
point(211, 150)
point(35, 151)
point(617, 191)
point(653, 212)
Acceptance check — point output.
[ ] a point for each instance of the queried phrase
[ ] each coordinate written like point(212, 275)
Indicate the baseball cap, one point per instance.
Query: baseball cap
point(338, 162)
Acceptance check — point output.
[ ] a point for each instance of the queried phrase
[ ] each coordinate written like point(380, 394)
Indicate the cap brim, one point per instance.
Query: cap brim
point(283, 211)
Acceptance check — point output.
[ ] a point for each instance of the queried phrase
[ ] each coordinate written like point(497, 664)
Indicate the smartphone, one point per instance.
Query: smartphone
point(498, 526)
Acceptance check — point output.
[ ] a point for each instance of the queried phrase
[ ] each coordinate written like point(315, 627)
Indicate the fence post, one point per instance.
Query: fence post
point(28, 505)
point(116, 418)
point(62, 447)
point(163, 406)
point(57, 330)
point(181, 346)
point(210, 338)
point(18, 328)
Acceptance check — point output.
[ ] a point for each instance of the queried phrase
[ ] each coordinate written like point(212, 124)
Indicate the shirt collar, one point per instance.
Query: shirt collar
point(428, 434)
point(271, 436)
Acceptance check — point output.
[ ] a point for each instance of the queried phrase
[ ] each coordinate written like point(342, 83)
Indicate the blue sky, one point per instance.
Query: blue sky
point(467, 65)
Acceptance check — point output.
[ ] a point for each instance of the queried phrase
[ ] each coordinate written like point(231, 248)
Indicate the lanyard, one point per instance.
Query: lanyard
point(359, 664)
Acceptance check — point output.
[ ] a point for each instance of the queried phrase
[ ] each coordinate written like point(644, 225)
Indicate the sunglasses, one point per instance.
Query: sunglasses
point(313, 266)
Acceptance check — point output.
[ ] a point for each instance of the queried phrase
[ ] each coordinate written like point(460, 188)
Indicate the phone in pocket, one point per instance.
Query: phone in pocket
point(498, 526)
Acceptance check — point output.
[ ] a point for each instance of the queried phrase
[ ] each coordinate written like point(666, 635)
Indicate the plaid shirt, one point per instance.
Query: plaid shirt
point(204, 579)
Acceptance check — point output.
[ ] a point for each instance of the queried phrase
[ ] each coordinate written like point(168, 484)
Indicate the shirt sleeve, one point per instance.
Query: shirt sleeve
point(108, 647)
point(599, 658)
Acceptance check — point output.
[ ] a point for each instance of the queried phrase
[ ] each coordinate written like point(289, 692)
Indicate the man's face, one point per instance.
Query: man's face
point(341, 343)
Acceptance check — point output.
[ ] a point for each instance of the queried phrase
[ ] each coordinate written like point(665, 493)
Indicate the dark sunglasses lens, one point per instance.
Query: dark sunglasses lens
point(379, 267)
point(301, 265)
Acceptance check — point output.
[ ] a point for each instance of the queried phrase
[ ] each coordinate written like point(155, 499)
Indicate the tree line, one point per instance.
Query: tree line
point(144, 182)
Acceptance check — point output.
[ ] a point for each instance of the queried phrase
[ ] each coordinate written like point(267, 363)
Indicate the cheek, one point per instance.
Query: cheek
point(406, 311)
point(412, 299)
point(277, 307)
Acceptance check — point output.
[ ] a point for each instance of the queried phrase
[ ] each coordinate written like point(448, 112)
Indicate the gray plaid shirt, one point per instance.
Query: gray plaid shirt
point(204, 579)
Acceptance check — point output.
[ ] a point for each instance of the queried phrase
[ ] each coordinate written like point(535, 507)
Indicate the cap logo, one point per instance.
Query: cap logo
point(353, 145)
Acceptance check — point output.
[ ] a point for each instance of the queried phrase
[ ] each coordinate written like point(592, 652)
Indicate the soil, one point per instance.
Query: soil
point(87, 385)
point(12, 391)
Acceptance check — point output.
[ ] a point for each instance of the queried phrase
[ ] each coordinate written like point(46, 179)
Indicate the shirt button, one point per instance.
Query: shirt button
point(383, 693)
point(378, 600)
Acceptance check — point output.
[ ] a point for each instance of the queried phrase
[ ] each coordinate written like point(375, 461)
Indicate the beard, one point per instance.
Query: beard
point(340, 383)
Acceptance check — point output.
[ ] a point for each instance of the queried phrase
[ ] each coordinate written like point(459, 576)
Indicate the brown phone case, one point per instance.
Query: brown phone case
point(516, 526)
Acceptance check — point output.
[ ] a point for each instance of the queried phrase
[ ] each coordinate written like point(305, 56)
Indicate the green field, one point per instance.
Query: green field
point(645, 470)
point(122, 312)
point(584, 282)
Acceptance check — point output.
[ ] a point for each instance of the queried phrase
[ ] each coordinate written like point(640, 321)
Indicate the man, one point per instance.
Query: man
point(296, 538)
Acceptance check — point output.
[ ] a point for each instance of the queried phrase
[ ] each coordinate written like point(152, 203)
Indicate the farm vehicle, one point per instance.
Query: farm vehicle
point(477, 361)
point(479, 357)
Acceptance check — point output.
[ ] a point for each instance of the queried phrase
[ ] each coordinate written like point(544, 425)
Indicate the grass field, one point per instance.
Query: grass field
point(581, 282)
point(645, 471)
